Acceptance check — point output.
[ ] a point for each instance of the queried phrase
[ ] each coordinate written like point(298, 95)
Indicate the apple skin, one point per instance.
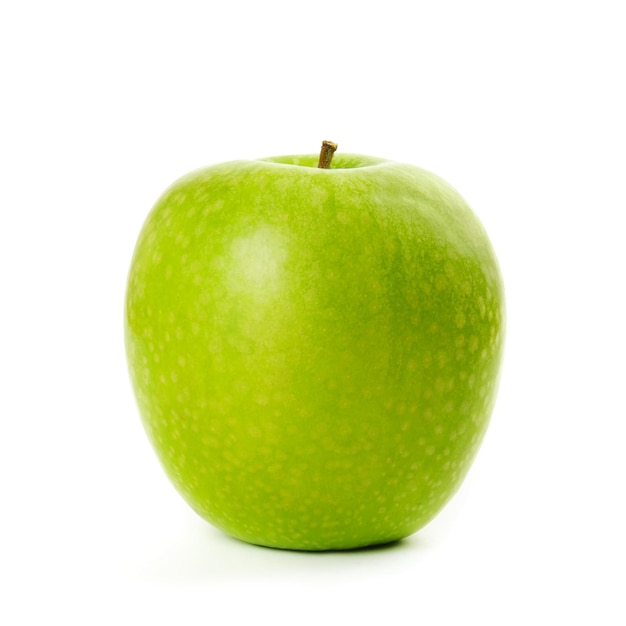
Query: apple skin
point(315, 353)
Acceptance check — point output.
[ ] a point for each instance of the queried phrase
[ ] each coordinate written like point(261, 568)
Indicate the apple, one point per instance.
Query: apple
point(314, 347)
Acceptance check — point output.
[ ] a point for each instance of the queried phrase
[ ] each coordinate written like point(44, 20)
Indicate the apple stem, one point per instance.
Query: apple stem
point(326, 154)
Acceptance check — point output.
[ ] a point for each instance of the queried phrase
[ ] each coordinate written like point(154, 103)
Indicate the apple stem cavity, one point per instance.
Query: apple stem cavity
point(326, 154)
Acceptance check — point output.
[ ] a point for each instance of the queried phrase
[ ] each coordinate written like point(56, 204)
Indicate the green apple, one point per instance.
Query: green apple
point(315, 351)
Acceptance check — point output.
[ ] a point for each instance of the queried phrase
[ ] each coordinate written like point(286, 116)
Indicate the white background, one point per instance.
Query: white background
point(520, 105)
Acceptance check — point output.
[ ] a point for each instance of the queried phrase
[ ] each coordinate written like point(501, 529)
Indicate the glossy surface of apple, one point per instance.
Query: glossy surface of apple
point(314, 352)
